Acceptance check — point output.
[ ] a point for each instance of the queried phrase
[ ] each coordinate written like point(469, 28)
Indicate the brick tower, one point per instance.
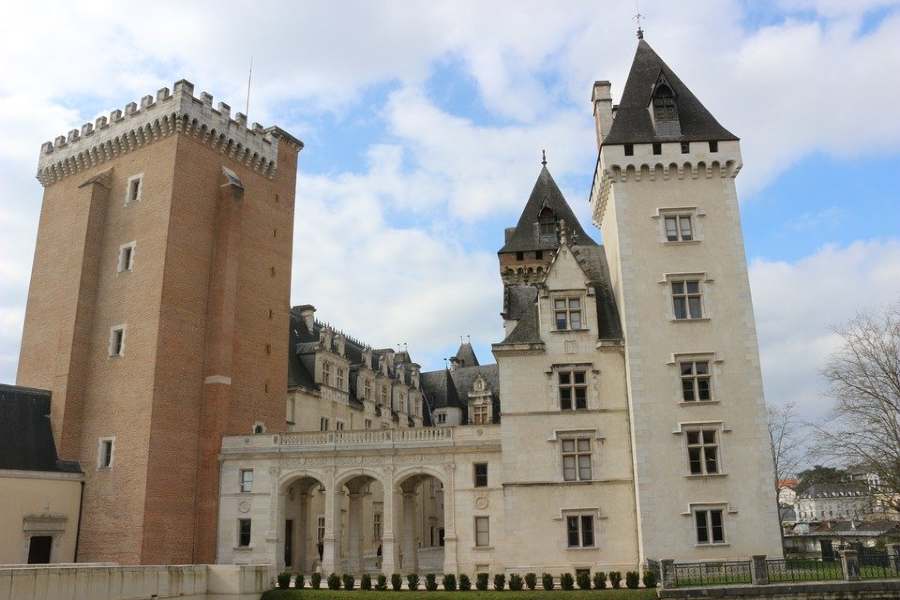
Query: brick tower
point(156, 313)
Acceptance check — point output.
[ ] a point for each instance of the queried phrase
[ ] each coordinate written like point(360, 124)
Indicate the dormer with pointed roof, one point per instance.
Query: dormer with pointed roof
point(531, 244)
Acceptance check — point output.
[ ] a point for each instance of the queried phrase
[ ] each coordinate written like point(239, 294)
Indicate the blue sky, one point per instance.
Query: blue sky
point(424, 122)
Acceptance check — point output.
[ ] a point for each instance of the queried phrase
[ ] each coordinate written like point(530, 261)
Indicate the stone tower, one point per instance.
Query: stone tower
point(156, 313)
point(664, 198)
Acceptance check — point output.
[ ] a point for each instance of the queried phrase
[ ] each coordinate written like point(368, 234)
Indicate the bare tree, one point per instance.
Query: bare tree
point(788, 440)
point(864, 380)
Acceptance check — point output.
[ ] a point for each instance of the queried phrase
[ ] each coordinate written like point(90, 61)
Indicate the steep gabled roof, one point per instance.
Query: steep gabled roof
point(465, 356)
point(633, 124)
point(545, 194)
point(26, 441)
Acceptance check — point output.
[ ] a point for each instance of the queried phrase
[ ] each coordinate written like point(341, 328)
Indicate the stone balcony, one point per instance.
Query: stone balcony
point(363, 439)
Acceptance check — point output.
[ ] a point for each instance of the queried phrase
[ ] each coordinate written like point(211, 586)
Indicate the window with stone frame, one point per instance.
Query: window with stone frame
point(323, 423)
point(376, 526)
point(572, 388)
point(482, 532)
point(367, 389)
point(703, 451)
point(105, 449)
point(567, 314)
point(480, 414)
point(687, 299)
point(679, 227)
point(246, 480)
point(338, 425)
point(326, 372)
point(580, 531)
point(134, 189)
point(696, 380)
point(710, 526)
point(244, 530)
point(384, 395)
point(126, 258)
point(339, 378)
point(320, 529)
point(576, 458)
point(117, 341)
point(480, 474)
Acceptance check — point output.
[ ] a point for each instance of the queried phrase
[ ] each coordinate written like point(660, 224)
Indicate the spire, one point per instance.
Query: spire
point(633, 123)
point(544, 158)
point(637, 17)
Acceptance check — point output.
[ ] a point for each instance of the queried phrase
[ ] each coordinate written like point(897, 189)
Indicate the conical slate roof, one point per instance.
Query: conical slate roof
point(526, 236)
point(632, 123)
point(465, 356)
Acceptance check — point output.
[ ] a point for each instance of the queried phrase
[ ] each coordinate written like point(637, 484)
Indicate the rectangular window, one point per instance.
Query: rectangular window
point(246, 480)
point(338, 425)
point(384, 395)
point(117, 341)
point(687, 299)
point(368, 423)
point(567, 312)
point(339, 380)
point(685, 147)
point(576, 457)
point(326, 373)
point(703, 452)
point(481, 474)
point(629, 149)
point(367, 390)
point(695, 381)
point(710, 528)
point(126, 258)
point(376, 525)
point(243, 533)
point(572, 389)
point(133, 189)
point(657, 148)
point(539, 254)
point(679, 228)
point(320, 529)
point(482, 532)
point(323, 424)
point(714, 146)
point(520, 256)
point(105, 453)
point(580, 531)
point(480, 415)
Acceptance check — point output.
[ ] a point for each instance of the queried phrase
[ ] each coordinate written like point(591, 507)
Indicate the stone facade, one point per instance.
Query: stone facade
point(139, 347)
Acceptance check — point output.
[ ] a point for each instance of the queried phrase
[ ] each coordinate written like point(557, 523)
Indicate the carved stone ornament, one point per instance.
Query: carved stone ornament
point(244, 507)
point(482, 502)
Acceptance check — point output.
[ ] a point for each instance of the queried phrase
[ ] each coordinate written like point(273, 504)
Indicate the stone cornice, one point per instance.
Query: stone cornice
point(155, 119)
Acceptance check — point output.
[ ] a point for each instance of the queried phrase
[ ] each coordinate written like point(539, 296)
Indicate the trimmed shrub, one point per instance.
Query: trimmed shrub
point(365, 582)
point(412, 581)
point(615, 579)
point(381, 583)
point(515, 582)
point(430, 582)
point(334, 582)
point(649, 579)
point(315, 581)
point(566, 582)
point(465, 584)
point(599, 580)
point(348, 581)
point(481, 581)
point(584, 581)
point(547, 581)
point(396, 582)
point(632, 580)
point(284, 581)
point(298, 581)
point(499, 582)
point(530, 581)
point(449, 582)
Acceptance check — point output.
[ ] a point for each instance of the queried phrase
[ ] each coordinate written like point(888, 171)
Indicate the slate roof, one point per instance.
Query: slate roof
point(465, 356)
point(520, 303)
point(526, 236)
point(450, 388)
point(440, 389)
point(26, 441)
point(835, 490)
point(632, 122)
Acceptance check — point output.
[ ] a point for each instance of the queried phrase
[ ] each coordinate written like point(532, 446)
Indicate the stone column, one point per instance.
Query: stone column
point(667, 566)
point(759, 574)
point(850, 565)
point(450, 560)
point(410, 551)
point(355, 533)
point(331, 553)
point(388, 548)
point(301, 539)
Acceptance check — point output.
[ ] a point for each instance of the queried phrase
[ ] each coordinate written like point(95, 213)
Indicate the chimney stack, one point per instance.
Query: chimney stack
point(603, 113)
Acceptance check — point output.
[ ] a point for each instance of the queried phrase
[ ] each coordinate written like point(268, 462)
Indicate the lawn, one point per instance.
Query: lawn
point(325, 594)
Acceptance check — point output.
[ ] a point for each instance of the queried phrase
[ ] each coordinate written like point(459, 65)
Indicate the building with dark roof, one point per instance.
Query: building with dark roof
point(41, 494)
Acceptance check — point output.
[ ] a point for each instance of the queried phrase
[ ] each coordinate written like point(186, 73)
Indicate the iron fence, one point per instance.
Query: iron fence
point(878, 564)
point(711, 573)
point(798, 569)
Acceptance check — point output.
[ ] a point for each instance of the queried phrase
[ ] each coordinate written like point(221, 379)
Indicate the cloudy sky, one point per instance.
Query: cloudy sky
point(424, 121)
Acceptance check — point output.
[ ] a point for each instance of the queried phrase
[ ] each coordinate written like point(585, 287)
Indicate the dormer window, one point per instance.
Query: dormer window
point(547, 225)
point(664, 104)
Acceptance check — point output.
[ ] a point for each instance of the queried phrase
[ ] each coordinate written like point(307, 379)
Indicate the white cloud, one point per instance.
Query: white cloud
point(799, 304)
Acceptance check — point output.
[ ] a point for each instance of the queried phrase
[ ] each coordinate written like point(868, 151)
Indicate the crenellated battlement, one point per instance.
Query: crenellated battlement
point(169, 112)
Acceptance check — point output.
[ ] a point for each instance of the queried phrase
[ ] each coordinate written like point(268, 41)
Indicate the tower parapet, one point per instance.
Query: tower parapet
point(155, 118)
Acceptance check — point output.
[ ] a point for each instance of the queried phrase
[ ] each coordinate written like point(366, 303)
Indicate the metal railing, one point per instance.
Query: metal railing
point(711, 573)
point(798, 569)
point(878, 564)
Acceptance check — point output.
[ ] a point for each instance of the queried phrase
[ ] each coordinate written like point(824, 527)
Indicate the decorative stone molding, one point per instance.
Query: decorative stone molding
point(156, 118)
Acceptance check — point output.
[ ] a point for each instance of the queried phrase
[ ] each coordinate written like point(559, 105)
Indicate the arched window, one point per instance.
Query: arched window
point(664, 104)
point(547, 225)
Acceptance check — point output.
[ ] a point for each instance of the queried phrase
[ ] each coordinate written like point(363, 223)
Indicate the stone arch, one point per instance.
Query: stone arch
point(358, 541)
point(299, 492)
point(423, 505)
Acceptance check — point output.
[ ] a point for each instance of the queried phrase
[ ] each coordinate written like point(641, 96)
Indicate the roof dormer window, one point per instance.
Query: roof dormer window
point(547, 225)
point(664, 104)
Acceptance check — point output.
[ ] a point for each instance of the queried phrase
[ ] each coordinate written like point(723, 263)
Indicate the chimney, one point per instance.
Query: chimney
point(454, 363)
point(308, 314)
point(603, 114)
point(508, 233)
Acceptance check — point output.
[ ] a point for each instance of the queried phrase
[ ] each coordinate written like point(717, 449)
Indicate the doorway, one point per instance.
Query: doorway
point(39, 549)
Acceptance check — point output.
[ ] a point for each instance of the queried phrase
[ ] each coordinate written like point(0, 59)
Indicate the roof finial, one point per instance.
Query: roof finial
point(637, 17)
point(544, 157)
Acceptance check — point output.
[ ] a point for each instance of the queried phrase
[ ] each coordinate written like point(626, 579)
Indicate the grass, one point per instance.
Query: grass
point(607, 594)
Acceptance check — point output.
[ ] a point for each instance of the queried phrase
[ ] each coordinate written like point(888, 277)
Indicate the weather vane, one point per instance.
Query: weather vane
point(637, 17)
point(544, 157)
